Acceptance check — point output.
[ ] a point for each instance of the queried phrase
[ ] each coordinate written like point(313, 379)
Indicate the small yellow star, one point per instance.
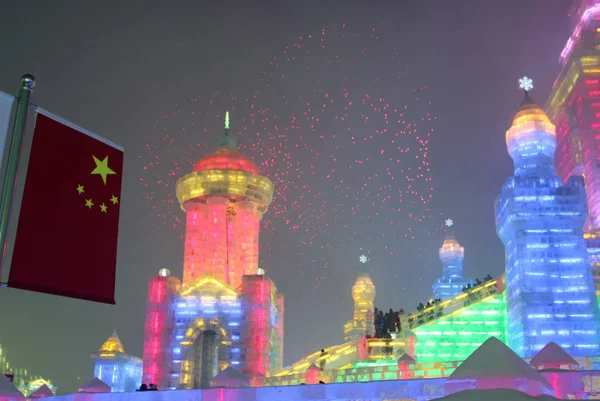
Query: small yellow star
point(80, 189)
point(89, 203)
point(102, 168)
point(103, 208)
point(114, 200)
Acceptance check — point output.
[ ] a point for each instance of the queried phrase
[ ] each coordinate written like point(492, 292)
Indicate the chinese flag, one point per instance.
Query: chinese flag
point(66, 242)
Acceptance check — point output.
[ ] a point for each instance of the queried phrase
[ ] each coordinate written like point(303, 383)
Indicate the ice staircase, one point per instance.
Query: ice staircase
point(344, 355)
point(441, 309)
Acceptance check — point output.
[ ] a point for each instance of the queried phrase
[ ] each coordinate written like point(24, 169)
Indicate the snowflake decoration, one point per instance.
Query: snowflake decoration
point(363, 259)
point(526, 84)
point(449, 222)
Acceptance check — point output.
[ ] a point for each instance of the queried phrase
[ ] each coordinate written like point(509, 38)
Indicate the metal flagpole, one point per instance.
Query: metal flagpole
point(12, 163)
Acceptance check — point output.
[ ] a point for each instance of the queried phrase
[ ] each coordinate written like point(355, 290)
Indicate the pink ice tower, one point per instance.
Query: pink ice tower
point(224, 199)
point(225, 313)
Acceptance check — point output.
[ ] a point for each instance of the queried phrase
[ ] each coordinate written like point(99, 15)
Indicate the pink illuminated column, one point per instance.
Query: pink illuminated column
point(205, 239)
point(221, 239)
point(256, 296)
point(216, 258)
point(247, 229)
point(157, 329)
point(196, 228)
point(277, 364)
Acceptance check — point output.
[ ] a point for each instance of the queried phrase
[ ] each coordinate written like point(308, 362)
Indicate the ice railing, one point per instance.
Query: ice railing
point(344, 355)
point(341, 354)
point(451, 305)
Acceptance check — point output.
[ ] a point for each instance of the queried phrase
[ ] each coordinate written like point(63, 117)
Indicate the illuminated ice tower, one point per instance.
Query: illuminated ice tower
point(224, 198)
point(363, 294)
point(574, 107)
point(121, 371)
point(451, 254)
point(226, 311)
point(549, 286)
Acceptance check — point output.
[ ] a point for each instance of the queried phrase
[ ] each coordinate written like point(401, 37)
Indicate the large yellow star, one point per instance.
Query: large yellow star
point(103, 208)
point(102, 168)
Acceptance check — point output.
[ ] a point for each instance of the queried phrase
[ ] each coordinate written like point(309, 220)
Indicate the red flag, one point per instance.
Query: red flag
point(66, 242)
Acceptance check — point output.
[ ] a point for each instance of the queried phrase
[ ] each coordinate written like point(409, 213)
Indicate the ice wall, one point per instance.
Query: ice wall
point(418, 390)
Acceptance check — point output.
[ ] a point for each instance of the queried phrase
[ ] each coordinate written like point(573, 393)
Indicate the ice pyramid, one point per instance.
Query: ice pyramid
point(8, 391)
point(494, 359)
point(230, 373)
point(406, 359)
point(43, 391)
point(493, 365)
point(313, 368)
point(553, 356)
point(230, 377)
point(95, 386)
point(312, 374)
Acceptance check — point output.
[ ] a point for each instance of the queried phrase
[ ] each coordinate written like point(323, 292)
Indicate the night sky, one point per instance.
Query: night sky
point(376, 120)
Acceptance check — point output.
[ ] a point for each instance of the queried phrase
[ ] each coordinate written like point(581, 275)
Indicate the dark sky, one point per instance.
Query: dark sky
point(119, 68)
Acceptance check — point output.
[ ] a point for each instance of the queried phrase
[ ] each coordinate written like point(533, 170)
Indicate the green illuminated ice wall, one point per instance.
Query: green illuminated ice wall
point(455, 336)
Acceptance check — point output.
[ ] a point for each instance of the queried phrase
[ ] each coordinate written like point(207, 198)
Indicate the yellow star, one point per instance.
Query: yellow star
point(89, 203)
point(103, 208)
point(114, 200)
point(102, 168)
point(80, 189)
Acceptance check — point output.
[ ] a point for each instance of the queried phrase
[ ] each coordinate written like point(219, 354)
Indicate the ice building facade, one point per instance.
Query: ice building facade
point(226, 311)
point(550, 292)
point(452, 282)
point(572, 106)
point(573, 102)
point(116, 368)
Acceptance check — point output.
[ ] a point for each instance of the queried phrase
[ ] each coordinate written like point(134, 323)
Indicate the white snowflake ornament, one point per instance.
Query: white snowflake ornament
point(526, 84)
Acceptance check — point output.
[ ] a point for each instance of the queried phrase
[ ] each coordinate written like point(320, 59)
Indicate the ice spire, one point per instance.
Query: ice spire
point(225, 138)
point(112, 344)
point(451, 253)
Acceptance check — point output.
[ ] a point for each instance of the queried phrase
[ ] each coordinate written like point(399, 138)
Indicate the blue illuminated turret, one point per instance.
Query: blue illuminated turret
point(549, 286)
point(451, 254)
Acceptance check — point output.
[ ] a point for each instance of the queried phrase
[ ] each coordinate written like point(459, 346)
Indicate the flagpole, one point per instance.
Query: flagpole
point(12, 163)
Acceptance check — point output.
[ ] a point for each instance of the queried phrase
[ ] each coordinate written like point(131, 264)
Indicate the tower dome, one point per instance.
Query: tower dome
point(225, 171)
point(531, 141)
point(451, 249)
point(529, 111)
point(226, 158)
